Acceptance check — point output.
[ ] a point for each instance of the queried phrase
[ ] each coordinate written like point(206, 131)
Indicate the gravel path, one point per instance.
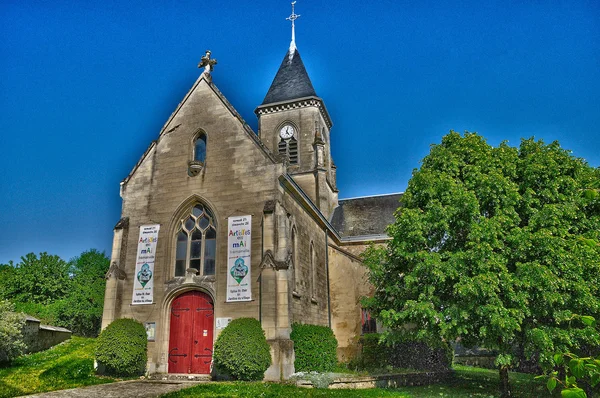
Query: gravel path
point(122, 389)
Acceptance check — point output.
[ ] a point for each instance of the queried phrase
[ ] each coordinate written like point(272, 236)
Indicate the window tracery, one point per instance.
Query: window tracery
point(196, 244)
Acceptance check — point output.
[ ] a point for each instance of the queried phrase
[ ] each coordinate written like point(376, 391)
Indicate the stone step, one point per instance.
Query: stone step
point(178, 377)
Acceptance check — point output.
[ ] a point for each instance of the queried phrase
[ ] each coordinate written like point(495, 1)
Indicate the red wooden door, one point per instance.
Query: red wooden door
point(191, 337)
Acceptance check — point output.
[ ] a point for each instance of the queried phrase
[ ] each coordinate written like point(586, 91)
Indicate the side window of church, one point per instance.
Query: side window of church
point(200, 148)
point(196, 242)
point(313, 272)
point(368, 323)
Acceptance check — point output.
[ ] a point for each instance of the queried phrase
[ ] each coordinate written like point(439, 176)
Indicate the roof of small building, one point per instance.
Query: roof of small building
point(291, 81)
point(55, 328)
point(29, 318)
point(368, 215)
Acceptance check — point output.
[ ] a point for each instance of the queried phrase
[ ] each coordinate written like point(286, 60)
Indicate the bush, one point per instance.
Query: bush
point(315, 348)
point(11, 335)
point(373, 354)
point(241, 351)
point(402, 352)
point(121, 349)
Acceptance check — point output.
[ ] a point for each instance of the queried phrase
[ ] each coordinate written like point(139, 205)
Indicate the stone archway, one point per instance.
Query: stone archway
point(191, 333)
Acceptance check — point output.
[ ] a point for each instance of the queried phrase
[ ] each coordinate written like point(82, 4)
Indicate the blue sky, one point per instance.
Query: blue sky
point(85, 86)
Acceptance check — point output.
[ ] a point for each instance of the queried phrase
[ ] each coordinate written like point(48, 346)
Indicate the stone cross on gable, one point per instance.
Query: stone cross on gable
point(207, 63)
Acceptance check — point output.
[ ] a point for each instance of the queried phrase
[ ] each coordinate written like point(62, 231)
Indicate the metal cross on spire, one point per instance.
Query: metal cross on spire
point(292, 18)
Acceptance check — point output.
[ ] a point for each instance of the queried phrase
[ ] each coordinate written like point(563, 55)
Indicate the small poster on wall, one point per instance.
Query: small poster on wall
point(143, 281)
point(150, 330)
point(238, 258)
point(222, 323)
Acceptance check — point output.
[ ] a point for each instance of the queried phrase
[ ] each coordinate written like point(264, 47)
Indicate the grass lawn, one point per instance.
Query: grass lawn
point(67, 365)
point(468, 382)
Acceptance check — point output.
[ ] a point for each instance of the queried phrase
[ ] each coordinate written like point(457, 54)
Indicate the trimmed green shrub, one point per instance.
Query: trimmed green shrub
point(373, 354)
point(241, 351)
point(121, 349)
point(315, 348)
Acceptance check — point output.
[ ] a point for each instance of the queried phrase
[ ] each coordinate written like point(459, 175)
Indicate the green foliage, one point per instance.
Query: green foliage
point(81, 310)
point(11, 336)
point(373, 355)
point(315, 348)
point(399, 351)
point(121, 349)
point(46, 313)
point(584, 371)
point(241, 350)
point(38, 280)
point(495, 246)
point(59, 293)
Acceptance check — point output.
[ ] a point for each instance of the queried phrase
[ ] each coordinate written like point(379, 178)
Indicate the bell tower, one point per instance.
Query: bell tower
point(294, 124)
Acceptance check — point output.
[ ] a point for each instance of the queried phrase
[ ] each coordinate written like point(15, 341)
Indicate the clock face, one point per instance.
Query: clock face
point(286, 132)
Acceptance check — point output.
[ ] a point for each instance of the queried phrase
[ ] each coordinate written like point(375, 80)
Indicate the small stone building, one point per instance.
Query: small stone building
point(220, 222)
point(39, 337)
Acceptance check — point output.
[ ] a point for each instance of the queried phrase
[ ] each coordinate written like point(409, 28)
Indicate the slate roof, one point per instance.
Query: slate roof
point(290, 82)
point(368, 215)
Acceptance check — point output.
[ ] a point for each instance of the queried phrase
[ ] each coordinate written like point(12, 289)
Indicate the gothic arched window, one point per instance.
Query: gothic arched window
point(196, 242)
point(200, 148)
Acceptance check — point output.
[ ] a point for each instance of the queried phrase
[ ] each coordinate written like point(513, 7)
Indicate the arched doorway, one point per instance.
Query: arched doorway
point(191, 336)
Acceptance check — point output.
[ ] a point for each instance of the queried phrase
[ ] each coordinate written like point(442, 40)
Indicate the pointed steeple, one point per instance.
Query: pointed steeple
point(291, 81)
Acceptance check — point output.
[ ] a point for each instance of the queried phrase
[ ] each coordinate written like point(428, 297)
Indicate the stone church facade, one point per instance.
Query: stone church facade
point(208, 169)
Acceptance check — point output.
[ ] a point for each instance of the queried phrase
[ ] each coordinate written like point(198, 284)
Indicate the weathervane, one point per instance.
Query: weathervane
point(207, 63)
point(292, 18)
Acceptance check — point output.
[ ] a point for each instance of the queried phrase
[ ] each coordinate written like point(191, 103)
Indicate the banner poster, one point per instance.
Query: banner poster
point(238, 259)
point(143, 281)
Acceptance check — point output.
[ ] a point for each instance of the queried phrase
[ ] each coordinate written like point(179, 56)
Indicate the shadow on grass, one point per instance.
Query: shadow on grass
point(75, 370)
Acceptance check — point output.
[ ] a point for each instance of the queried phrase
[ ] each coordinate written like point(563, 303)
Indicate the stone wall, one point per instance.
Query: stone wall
point(348, 284)
point(38, 337)
point(385, 381)
point(309, 302)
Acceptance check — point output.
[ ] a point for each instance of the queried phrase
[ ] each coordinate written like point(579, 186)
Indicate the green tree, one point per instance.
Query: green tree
point(36, 280)
point(6, 273)
point(81, 309)
point(495, 246)
point(11, 337)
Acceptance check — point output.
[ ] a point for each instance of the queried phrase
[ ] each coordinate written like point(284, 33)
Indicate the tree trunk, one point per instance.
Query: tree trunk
point(504, 383)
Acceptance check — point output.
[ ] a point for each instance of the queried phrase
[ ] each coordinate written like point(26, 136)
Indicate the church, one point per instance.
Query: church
point(221, 222)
